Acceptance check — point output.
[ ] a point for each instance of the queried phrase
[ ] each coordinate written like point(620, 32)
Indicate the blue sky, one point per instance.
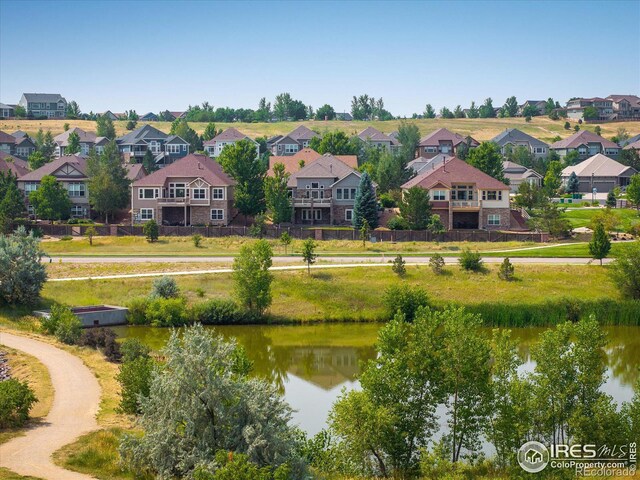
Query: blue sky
point(156, 55)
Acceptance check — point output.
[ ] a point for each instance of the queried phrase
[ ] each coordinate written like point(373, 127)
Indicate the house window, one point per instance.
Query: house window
point(31, 210)
point(77, 211)
point(147, 193)
point(462, 192)
point(217, 193)
point(76, 189)
point(172, 148)
point(538, 150)
point(445, 148)
point(217, 214)
point(290, 148)
point(154, 146)
point(439, 195)
point(348, 215)
point(430, 149)
point(30, 187)
point(177, 190)
point(307, 215)
point(146, 214)
point(493, 219)
point(582, 150)
point(22, 151)
point(199, 193)
point(611, 151)
point(345, 193)
point(491, 195)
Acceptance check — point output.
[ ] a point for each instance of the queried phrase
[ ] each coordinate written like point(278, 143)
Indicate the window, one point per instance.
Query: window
point(306, 214)
point(439, 195)
point(582, 150)
point(217, 193)
point(345, 193)
point(30, 187)
point(462, 192)
point(22, 151)
point(76, 189)
point(430, 149)
point(315, 185)
point(146, 214)
point(445, 148)
point(199, 193)
point(172, 148)
point(217, 214)
point(31, 210)
point(348, 215)
point(290, 148)
point(146, 193)
point(538, 150)
point(177, 190)
point(493, 219)
point(77, 211)
point(491, 195)
point(154, 146)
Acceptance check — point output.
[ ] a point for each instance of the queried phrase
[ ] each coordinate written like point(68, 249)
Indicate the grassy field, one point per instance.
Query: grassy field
point(480, 128)
point(581, 217)
point(27, 368)
point(9, 475)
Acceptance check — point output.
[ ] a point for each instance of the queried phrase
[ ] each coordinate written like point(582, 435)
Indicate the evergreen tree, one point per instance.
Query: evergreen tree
point(73, 145)
point(108, 182)
point(487, 157)
point(105, 127)
point(365, 206)
point(611, 199)
point(473, 111)
point(12, 201)
point(429, 112)
point(511, 107)
point(51, 200)
point(600, 244)
point(486, 110)
point(149, 161)
point(22, 274)
point(415, 208)
point(277, 195)
point(37, 160)
point(572, 183)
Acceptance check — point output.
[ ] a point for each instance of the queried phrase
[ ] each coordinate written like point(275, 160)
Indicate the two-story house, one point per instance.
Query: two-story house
point(465, 197)
point(292, 142)
point(323, 192)
point(518, 174)
point(305, 157)
point(7, 143)
point(230, 136)
point(378, 139)
point(443, 141)
point(87, 141)
point(575, 108)
point(587, 144)
point(21, 146)
point(165, 148)
point(512, 138)
point(16, 166)
point(539, 105)
point(71, 171)
point(194, 190)
point(7, 111)
point(625, 107)
point(50, 105)
point(599, 172)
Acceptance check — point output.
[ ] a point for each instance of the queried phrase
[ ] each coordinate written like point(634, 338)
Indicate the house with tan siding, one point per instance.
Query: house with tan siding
point(599, 172)
point(587, 144)
point(230, 136)
point(291, 143)
point(443, 141)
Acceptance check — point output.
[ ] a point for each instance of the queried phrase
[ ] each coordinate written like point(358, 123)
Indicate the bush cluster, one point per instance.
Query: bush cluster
point(102, 339)
point(16, 399)
point(62, 323)
point(404, 300)
point(471, 261)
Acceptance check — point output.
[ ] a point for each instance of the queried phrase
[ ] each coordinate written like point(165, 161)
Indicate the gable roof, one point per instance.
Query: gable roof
point(325, 166)
point(229, 135)
point(194, 165)
point(599, 166)
point(420, 163)
point(515, 135)
point(146, 132)
point(632, 146)
point(6, 138)
point(633, 139)
point(19, 134)
point(76, 161)
point(582, 137)
point(4, 106)
point(453, 171)
point(22, 140)
point(43, 97)
point(443, 135)
point(85, 137)
point(513, 166)
point(299, 134)
point(15, 165)
point(632, 99)
point(135, 171)
point(292, 162)
point(376, 135)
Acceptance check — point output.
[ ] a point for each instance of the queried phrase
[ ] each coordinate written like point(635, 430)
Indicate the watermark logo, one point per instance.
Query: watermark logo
point(533, 457)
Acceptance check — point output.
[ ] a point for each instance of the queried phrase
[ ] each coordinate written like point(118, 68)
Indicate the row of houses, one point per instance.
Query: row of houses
point(613, 107)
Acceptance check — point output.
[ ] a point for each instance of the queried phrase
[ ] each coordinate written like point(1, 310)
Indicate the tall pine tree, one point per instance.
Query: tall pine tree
point(108, 183)
point(365, 206)
point(277, 195)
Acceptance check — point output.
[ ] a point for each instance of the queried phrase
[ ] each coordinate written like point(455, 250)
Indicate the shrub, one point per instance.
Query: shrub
point(397, 223)
point(66, 238)
point(90, 233)
point(135, 380)
point(405, 300)
point(69, 329)
point(150, 230)
point(436, 262)
point(507, 270)
point(471, 261)
point(216, 312)
point(21, 273)
point(16, 399)
point(398, 266)
point(137, 311)
point(197, 240)
point(387, 201)
point(166, 312)
point(626, 271)
point(132, 348)
point(165, 287)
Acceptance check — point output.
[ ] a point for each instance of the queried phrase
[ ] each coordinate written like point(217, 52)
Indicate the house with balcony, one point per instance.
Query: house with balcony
point(50, 105)
point(518, 174)
point(230, 136)
point(194, 190)
point(604, 106)
point(513, 138)
point(305, 157)
point(323, 192)
point(87, 141)
point(625, 107)
point(291, 143)
point(443, 141)
point(539, 105)
point(465, 197)
point(71, 171)
point(166, 149)
point(599, 172)
point(587, 144)
point(378, 139)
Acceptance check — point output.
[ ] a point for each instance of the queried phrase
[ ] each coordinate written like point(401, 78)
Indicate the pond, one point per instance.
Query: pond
point(311, 364)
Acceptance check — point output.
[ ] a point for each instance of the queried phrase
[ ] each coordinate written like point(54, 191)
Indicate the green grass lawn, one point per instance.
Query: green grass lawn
point(580, 217)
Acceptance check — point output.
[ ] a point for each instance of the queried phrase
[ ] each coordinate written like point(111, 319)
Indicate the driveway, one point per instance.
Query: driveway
point(73, 413)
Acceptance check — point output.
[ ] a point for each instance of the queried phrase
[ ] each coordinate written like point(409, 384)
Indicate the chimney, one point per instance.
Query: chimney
point(331, 167)
point(199, 166)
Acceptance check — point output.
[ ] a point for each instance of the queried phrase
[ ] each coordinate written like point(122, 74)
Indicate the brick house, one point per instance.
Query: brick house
point(465, 197)
point(291, 143)
point(304, 157)
point(443, 141)
point(191, 191)
point(587, 144)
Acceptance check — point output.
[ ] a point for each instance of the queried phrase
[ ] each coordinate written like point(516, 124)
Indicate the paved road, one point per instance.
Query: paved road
point(75, 404)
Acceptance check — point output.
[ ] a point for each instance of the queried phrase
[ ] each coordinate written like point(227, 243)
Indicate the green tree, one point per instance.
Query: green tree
point(149, 161)
point(487, 158)
point(507, 270)
point(473, 112)
point(630, 158)
point(399, 266)
point(45, 144)
point(252, 278)
point(552, 179)
point(12, 201)
point(590, 113)
point(150, 230)
point(131, 124)
point(20, 111)
point(210, 132)
point(458, 112)
point(16, 399)
point(73, 110)
point(576, 128)
point(204, 387)
point(325, 112)
point(429, 112)
point(530, 111)
point(285, 240)
point(263, 113)
point(134, 378)
point(511, 107)
point(309, 253)
point(530, 196)
point(51, 200)
point(436, 262)
point(415, 208)
point(37, 160)
point(633, 191)
point(567, 126)
point(612, 200)
point(550, 106)
point(626, 271)
point(73, 145)
point(239, 161)
point(335, 143)
point(550, 218)
point(392, 171)
point(471, 261)
point(181, 128)
point(277, 195)
point(409, 138)
point(486, 109)
point(572, 158)
point(164, 287)
point(90, 232)
point(573, 183)
point(600, 245)
point(446, 113)
point(285, 108)
point(22, 275)
point(66, 127)
point(105, 127)
point(108, 181)
point(365, 207)
point(597, 130)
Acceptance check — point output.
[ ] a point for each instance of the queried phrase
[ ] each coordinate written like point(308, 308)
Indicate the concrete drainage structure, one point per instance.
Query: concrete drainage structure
point(96, 315)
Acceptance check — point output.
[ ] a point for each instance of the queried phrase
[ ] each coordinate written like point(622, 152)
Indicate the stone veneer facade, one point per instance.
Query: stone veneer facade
point(505, 218)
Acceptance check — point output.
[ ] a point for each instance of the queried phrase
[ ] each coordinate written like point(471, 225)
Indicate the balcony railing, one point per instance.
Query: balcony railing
point(465, 203)
point(305, 201)
point(180, 201)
